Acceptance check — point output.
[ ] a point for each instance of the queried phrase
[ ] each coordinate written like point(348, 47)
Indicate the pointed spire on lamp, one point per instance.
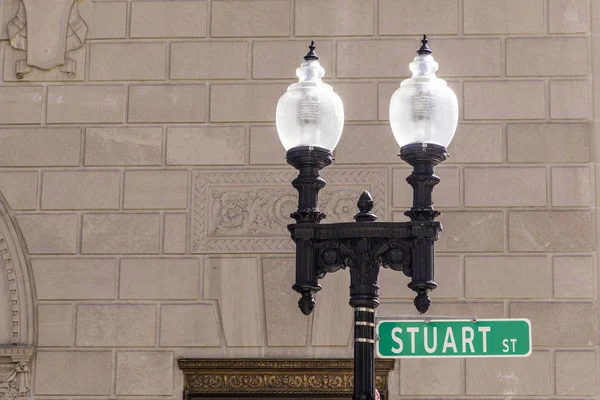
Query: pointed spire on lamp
point(311, 55)
point(365, 206)
point(424, 48)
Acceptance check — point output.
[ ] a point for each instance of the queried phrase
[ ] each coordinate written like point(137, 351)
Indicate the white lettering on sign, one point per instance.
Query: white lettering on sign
point(467, 340)
point(505, 348)
point(449, 341)
point(396, 338)
point(412, 332)
point(426, 340)
point(484, 330)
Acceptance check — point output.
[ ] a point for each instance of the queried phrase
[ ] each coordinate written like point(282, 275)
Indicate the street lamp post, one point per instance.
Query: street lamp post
point(310, 119)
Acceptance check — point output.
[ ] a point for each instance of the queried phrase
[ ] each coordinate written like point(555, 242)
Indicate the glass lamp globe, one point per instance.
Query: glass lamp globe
point(424, 109)
point(310, 113)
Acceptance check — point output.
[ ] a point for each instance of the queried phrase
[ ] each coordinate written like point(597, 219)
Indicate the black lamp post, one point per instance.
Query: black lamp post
point(423, 115)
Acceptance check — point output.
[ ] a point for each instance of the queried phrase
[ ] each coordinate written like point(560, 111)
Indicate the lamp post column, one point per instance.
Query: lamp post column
point(423, 158)
point(364, 353)
point(364, 297)
point(308, 161)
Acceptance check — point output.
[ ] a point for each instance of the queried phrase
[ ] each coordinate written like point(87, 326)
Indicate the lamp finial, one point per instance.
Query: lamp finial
point(365, 205)
point(424, 48)
point(311, 55)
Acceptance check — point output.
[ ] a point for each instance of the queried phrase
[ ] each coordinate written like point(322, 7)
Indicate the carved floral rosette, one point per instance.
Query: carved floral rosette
point(248, 211)
point(323, 377)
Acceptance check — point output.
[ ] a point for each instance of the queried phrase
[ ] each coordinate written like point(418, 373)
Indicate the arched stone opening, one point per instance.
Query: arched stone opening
point(16, 310)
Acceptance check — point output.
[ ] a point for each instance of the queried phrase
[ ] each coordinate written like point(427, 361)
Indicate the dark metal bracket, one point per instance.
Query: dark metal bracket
point(365, 246)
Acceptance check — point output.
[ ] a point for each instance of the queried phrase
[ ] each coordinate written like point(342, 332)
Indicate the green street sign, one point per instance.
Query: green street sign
point(454, 338)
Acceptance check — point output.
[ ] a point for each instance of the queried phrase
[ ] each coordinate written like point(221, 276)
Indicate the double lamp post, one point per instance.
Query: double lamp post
point(310, 119)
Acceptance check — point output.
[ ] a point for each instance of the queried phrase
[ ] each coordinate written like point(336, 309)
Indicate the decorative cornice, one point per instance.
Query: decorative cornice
point(264, 377)
point(17, 353)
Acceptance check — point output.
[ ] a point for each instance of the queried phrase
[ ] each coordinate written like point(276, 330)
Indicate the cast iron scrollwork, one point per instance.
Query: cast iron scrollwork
point(332, 255)
point(398, 257)
point(338, 246)
point(363, 257)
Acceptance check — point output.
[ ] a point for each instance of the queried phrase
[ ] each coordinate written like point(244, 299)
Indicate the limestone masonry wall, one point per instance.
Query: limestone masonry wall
point(152, 194)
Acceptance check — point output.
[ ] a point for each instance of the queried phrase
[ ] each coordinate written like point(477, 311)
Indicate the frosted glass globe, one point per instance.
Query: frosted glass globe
point(424, 109)
point(310, 113)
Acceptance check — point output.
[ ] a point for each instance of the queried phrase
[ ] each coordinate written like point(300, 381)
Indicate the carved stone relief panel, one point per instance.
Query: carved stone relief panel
point(47, 30)
point(15, 372)
point(248, 211)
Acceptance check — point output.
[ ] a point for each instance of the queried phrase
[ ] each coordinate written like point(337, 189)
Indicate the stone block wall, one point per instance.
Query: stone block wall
point(152, 193)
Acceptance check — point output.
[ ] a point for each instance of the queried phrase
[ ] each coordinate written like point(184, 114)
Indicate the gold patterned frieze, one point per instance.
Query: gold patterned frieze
point(269, 377)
